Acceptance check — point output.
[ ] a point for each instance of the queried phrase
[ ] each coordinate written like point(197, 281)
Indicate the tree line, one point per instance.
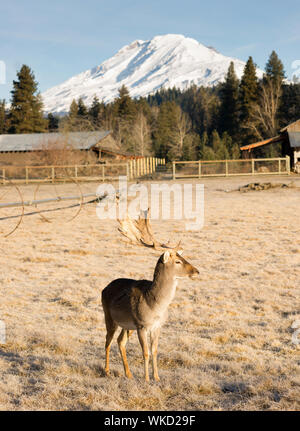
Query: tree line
point(196, 123)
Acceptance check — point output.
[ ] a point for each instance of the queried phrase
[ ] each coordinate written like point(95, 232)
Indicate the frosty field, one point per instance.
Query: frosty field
point(227, 344)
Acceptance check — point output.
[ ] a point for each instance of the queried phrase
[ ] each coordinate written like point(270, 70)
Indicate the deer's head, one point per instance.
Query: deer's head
point(176, 265)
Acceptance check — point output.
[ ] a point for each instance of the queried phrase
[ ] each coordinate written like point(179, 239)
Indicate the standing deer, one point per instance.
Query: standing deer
point(142, 305)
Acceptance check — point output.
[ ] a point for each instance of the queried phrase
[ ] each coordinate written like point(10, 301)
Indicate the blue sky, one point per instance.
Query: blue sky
point(61, 38)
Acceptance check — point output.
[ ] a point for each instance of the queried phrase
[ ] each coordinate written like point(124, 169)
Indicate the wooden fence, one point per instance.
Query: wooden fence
point(227, 168)
point(135, 168)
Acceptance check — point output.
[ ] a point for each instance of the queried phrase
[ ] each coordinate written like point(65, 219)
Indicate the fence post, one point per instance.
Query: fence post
point(3, 174)
point(174, 171)
point(76, 171)
point(142, 167)
point(26, 174)
point(253, 166)
point(103, 172)
point(127, 172)
point(226, 167)
point(288, 165)
point(279, 166)
point(53, 174)
point(199, 168)
point(131, 169)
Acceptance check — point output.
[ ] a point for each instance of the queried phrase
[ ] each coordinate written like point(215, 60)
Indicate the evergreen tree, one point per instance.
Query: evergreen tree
point(229, 95)
point(124, 105)
point(82, 109)
point(275, 69)
point(26, 115)
point(95, 109)
point(125, 114)
point(73, 111)
point(53, 123)
point(248, 96)
point(166, 131)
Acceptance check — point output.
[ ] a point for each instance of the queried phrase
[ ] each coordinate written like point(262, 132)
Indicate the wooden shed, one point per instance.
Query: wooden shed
point(289, 137)
point(85, 147)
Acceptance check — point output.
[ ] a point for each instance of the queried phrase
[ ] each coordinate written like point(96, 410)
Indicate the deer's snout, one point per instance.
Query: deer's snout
point(194, 272)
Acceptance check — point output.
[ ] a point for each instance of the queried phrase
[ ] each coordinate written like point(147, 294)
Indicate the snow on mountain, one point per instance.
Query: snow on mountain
point(144, 67)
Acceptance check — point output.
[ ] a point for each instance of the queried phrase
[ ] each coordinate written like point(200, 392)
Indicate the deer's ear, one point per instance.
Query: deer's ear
point(180, 252)
point(166, 256)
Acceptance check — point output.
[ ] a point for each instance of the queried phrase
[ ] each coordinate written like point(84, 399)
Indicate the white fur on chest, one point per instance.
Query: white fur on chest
point(161, 308)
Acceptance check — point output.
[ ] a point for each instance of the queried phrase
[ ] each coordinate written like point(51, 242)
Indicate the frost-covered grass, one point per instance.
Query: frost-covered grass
point(227, 342)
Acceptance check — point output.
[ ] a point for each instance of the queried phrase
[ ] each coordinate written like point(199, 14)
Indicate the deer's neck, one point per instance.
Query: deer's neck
point(163, 287)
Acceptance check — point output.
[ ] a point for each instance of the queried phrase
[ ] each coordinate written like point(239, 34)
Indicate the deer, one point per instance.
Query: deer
point(142, 305)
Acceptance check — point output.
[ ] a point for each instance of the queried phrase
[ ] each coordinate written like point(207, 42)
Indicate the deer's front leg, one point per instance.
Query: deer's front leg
point(142, 334)
point(154, 335)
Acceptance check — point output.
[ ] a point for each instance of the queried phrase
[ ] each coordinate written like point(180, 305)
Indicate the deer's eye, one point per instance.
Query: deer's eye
point(178, 262)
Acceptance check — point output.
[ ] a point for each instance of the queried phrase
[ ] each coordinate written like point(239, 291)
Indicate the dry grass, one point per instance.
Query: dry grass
point(227, 342)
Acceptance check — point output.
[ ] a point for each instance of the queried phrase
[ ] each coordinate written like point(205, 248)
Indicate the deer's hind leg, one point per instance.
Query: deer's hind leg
point(122, 340)
point(111, 328)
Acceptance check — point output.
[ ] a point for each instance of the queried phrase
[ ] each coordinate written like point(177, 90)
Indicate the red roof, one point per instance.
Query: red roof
point(261, 143)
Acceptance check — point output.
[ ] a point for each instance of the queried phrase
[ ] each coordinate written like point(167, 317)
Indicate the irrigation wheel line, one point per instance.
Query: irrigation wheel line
point(40, 213)
point(21, 204)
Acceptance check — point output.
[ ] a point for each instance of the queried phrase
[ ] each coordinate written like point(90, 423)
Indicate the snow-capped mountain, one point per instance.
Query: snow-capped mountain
point(144, 67)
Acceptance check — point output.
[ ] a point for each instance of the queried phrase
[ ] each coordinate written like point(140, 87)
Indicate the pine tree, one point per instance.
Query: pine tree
point(95, 109)
point(26, 115)
point(82, 109)
point(3, 118)
point(248, 97)
point(73, 111)
point(53, 123)
point(275, 69)
point(229, 103)
point(248, 89)
point(125, 107)
point(125, 114)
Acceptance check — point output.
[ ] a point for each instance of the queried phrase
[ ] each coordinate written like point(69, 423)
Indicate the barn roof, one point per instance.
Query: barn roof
point(294, 138)
point(293, 127)
point(37, 141)
point(262, 143)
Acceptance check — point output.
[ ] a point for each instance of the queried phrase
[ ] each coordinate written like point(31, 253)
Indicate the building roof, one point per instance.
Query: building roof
point(294, 138)
point(293, 127)
point(262, 143)
point(38, 141)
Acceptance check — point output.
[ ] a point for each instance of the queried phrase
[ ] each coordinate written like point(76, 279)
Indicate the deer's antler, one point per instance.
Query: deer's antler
point(139, 232)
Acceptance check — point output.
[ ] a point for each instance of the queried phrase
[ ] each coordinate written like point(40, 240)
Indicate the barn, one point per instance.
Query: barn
point(79, 147)
point(289, 137)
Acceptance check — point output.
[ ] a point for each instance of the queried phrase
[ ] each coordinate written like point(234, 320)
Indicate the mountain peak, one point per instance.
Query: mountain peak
point(166, 61)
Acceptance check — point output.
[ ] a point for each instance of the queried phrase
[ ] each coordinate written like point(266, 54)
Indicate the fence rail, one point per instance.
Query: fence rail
point(135, 168)
point(227, 168)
